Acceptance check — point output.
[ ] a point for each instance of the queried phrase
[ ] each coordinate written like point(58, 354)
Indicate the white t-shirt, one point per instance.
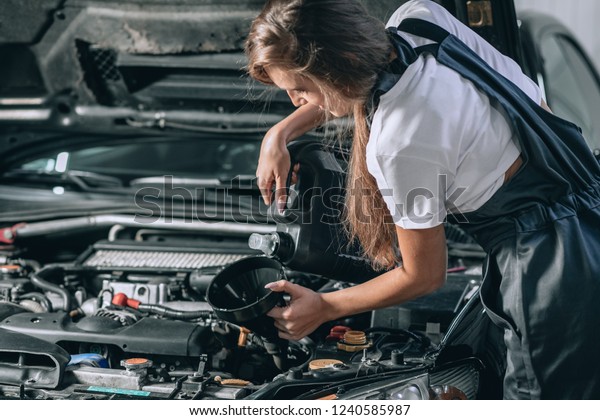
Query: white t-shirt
point(437, 146)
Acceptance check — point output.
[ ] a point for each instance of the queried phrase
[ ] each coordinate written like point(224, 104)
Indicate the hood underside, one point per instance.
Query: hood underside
point(80, 48)
point(95, 51)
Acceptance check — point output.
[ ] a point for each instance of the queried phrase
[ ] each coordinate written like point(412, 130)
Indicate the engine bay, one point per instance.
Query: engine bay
point(129, 318)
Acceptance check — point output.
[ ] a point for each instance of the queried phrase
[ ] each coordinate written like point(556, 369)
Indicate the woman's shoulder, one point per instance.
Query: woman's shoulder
point(425, 10)
point(429, 106)
point(430, 11)
point(426, 88)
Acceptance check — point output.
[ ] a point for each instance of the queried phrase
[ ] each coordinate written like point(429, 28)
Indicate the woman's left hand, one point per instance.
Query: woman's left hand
point(303, 314)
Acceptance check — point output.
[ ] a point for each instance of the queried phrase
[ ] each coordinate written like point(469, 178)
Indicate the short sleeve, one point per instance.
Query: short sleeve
point(414, 190)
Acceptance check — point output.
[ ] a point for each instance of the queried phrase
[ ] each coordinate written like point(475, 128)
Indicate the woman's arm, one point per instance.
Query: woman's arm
point(423, 270)
point(274, 159)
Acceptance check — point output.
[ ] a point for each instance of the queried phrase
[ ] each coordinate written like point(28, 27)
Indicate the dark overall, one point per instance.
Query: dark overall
point(541, 232)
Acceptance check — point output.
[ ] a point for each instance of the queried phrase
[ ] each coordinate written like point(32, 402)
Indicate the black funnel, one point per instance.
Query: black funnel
point(238, 295)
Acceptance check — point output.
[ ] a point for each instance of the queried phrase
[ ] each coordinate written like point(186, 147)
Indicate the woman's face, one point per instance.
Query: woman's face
point(302, 91)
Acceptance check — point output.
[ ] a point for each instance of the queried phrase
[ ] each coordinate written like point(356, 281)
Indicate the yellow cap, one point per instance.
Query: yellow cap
point(323, 363)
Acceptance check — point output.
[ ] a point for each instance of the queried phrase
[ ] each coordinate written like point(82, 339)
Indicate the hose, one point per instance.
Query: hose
point(38, 280)
point(312, 349)
point(172, 313)
point(32, 305)
point(275, 347)
point(88, 359)
point(40, 297)
point(29, 263)
point(100, 298)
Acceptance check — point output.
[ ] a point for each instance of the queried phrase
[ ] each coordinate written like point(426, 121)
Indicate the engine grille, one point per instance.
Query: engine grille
point(158, 259)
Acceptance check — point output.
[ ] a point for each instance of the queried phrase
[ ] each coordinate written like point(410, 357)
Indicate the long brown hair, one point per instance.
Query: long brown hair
point(337, 45)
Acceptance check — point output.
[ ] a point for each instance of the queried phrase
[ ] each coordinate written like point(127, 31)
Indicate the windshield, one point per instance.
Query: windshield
point(202, 159)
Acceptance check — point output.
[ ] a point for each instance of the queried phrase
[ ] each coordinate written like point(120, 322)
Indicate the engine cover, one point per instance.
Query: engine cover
point(147, 336)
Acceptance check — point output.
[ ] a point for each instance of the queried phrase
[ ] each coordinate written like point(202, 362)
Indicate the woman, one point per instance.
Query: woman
point(445, 128)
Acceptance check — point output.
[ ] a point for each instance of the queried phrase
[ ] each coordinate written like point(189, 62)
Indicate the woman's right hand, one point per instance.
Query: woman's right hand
point(274, 160)
point(273, 167)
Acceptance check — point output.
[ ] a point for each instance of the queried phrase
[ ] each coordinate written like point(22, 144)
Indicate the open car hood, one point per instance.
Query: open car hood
point(94, 65)
point(81, 47)
point(70, 61)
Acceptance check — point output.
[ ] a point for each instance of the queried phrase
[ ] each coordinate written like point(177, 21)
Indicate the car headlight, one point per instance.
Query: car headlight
point(455, 382)
point(463, 377)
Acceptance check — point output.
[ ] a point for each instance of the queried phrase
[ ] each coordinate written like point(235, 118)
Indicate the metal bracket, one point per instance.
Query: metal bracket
point(480, 13)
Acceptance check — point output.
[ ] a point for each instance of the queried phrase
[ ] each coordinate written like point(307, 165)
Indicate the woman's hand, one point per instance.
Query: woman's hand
point(274, 160)
point(304, 313)
point(273, 167)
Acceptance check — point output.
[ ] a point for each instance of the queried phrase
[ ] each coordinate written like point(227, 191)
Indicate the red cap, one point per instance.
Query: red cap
point(337, 332)
point(121, 299)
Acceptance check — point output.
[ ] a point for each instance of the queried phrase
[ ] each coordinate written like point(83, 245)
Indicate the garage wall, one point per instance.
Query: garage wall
point(580, 16)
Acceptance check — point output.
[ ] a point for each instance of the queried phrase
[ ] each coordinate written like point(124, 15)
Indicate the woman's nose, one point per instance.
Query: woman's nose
point(296, 98)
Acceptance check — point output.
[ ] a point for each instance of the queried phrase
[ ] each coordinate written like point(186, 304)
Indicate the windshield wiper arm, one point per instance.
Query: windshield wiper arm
point(161, 181)
point(238, 181)
point(84, 180)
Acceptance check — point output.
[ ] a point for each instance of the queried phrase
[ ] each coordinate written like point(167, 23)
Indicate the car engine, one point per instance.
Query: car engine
point(130, 319)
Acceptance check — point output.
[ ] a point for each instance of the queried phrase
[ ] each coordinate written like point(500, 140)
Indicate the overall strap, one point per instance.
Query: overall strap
point(405, 54)
point(424, 29)
point(389, 76)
